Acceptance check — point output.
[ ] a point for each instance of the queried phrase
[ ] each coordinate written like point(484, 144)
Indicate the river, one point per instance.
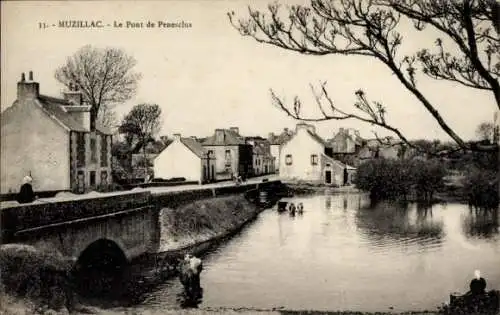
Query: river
point(340, 254)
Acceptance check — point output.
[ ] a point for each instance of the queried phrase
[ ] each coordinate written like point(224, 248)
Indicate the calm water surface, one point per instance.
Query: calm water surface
point(342, 255)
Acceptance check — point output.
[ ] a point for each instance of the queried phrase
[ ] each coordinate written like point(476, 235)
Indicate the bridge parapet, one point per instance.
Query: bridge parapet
point(36, 215)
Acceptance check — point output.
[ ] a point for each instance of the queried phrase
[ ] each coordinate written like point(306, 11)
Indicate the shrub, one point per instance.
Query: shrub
point(397, 179)
point(481, 188)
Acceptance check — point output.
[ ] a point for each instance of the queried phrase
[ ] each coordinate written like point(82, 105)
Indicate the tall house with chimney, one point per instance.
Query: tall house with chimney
point(233, 156)
point(54, 140)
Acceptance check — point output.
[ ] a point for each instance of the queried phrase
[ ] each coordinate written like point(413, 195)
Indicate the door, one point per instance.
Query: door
point(328, 177)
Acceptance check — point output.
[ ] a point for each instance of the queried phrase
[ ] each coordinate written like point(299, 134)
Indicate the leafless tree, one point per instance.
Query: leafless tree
point(105, 77)
point(370, 28)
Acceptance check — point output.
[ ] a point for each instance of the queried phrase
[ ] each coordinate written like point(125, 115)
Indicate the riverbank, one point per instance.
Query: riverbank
point(194, 228)
point(305, 188)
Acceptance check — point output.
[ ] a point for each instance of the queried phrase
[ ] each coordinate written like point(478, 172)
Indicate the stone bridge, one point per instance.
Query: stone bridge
point(116, 226)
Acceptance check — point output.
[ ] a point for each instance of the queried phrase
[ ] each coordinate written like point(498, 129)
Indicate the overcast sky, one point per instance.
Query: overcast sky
point(208, 76)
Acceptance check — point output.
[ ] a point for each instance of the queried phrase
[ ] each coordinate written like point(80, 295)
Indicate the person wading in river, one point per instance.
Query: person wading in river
point(189, 274)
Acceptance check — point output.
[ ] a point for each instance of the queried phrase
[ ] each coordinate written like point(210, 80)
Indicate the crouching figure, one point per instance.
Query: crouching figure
point(189, 274)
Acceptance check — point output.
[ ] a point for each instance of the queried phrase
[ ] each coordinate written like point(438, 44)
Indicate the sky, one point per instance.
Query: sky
point(208, 76)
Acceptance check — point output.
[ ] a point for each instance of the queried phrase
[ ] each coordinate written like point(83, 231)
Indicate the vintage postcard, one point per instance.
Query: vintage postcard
point(250, 157)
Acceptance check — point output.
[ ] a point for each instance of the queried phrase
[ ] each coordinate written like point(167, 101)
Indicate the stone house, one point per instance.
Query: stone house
point(187, 158)
point(263, 161)
point(54, 140)
point(304, 158)
point(345, 145)
point(233, 156)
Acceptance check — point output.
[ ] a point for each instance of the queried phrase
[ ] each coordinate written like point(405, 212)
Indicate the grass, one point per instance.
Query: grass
point(35, 274)
point(210, 216)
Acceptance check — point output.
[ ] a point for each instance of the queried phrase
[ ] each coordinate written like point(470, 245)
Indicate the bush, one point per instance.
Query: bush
point(39, 274)
point(481, 188)
point(397, 179)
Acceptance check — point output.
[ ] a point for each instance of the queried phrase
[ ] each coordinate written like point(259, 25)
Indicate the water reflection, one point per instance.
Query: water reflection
point(339, 255)
point(402, 223)
point(481, 224)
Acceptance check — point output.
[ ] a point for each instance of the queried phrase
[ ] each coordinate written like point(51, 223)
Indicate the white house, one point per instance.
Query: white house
point(185, 157)
point(303, 158)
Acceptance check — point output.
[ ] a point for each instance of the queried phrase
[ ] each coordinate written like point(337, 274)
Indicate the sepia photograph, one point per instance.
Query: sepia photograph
point(279, 157)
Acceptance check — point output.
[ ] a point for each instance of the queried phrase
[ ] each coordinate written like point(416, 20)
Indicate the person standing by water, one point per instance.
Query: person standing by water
point(26, 193)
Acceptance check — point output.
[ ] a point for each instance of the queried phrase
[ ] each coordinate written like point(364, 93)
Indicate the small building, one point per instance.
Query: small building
point(263, 161)
point(303, 158)
point(186, 158)
point(345, 145)
point(58, 142)
point(275, 142)
point(233, 156)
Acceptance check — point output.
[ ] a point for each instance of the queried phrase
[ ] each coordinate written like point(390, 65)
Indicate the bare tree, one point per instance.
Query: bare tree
point(485, 131)
point(370, 28)
point(141, 125)
point(105, 77)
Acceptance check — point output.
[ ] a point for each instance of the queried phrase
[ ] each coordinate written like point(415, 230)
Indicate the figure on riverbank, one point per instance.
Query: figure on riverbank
point(189, 274)
point(291, 208)
point(478, 284)
point(26, 194)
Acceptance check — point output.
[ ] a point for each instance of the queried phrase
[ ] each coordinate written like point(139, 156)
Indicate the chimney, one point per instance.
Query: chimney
point(285, 130)
point(219, 135)
point(177, 137)
point(27, 89)
point(74, 96)
point(235, 130)
point(341, 130)
point(270, 136)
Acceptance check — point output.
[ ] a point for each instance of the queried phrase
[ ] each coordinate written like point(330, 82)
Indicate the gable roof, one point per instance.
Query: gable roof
point(229, 138)
point(318, 138)
point(54, 107)
point(194, 146)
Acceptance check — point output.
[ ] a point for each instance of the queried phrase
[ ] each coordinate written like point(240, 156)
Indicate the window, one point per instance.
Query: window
point(210, 152)
point(93, 155)
point(288, 159)
point(228, 158)
point(92, 178)
point(80, 149)
point(314, 159)
point(104, 151)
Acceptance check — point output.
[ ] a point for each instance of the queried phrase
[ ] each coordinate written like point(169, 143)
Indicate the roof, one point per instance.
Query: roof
point(194, 146)
point(229, 138)
point(318, 138)
point(279, 139)
point(54, 106)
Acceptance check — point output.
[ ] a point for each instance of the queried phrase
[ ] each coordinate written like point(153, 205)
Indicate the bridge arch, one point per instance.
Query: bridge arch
point(100, 268)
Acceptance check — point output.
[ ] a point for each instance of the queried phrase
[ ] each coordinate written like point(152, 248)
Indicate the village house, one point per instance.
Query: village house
point(55, 141)
point(346, 145)
point(185, 158)
point(275, 142)
point(373, 148)
point(233, 156)
point(304, 158)
point(263, 161)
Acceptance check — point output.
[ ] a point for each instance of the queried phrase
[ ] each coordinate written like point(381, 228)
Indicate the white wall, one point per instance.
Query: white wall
point(33, 142)
point(177, 160)
point(275, 151)
point(301, 147)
